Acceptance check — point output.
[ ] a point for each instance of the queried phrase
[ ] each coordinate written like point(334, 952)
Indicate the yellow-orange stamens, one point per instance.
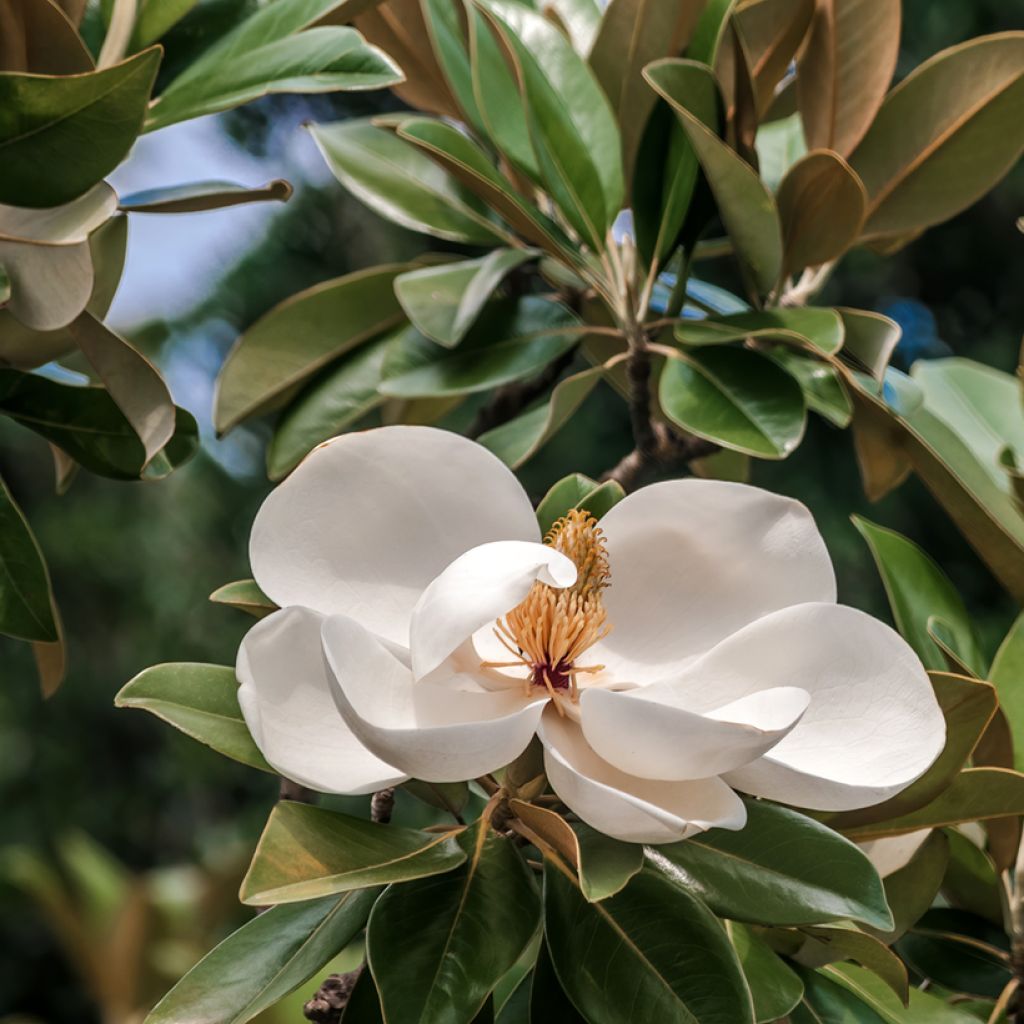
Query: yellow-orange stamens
point(551, 628)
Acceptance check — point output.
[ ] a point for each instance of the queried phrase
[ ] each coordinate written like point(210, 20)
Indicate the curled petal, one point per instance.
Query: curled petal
point(367, 520)
point(286, 701)
point(475, 589)
point(693, 561)
point(892, 853)
point(438, 733)
point(623, 806)
point(649, 732)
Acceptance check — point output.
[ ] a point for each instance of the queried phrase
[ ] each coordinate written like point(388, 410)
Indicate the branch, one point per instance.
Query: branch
point(294, 791)
point(669, 449)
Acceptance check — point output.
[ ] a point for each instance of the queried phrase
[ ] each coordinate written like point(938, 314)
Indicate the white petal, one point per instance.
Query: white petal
point(474, 590)
point(894, 852)
point(693, 561)
point(626, 807)
point(286, 702)
point(367, 520)
point(650, 732)
point(873, 725)
point(432, 732)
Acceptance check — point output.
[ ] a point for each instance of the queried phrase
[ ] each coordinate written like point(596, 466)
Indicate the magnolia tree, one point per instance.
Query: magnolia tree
point(661, 774)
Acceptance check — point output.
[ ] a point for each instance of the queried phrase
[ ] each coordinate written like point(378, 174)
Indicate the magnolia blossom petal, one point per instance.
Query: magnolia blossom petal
point(623, 806)
point(892, 853)
point(693, 561)
point(873, 725)
point(649, 732)
point(286, 702)
point(367, 520)
point(438, 733)
point(475, 589)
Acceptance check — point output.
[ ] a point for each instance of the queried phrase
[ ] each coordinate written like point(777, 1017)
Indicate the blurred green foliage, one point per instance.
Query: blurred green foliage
point(133, 564)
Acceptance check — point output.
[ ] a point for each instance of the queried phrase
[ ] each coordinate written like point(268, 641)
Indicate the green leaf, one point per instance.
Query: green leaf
point(911, 890)
point(246, 596)
point(924, 1008)
point(403, 185)
point(548, 1000)
point(60, 136)
point(264, 960)
point(959, 951)
point(306, 852)
point(775, 988)
point(573, 131)
point(184, 443)
point(512, 339)
point(827, 1002)
point(781, 868)
point(26, 604)
point(518, 440)
point(446, 796)
point(445, 23)
point(1006, 673)
point(300, 336)
point(201, 701)
point(779, 145)
point(746, 207)
point(972, 882)
point(334, 401)
point(806, 327)
point(444, 301)
point(944, 136)
point(822, 946)
point(977, 794)
point(917, 590)
point(821, 207)
point(577, 491)
point(468, 164)
point(871, 339)
point(5, 287)
point(822, 385)
point(155, 18)
point(203, 195)
point(438, 946)
point(270, 53)
point(736, 398)
point(968, 706)
point(653, 952)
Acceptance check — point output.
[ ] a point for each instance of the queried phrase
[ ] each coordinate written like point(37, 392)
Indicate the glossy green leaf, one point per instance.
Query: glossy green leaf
point(156, 17)
point(470, 165)
point(201, 701)
point(59, 136)
point(511, 339)
point(781, 868)
point(579, 21)
point(911, 890)
point(653, 952)
point(967, 706)
point(572, 128)
point(403, 185)
point(746, 207)
point(871, 339)
point(918, 589)
point(246, 596)
point(736, 398)
point(270, 53)
point(264, 960)
point(972, 882)
point(977, 794)
point(925, 1008)
point(444, 301)
point(808, 327)
point(827, 1002)
point(300, 336)
point(1006, 675)
point(548, 1000)
point(774, 986)
point(944, 136)
point(306, 852)
point(577, 491)
point(447, 796)
point(824, 945)
point(959, 951)
point(438, 946)
point(518, 440)
point(445, 23)
point(26, 604)
point(779, 145)
point(184, 443)
point(822, 385)
point(203, 195)
point(821, 207)
point(334, 401)
point(845, 68)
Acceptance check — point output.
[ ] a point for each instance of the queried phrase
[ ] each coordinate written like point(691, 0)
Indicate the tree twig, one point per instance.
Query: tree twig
point(294, 791)
point(670, 449)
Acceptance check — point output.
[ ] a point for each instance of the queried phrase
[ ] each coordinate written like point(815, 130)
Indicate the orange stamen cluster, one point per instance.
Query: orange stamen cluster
point(551, 628)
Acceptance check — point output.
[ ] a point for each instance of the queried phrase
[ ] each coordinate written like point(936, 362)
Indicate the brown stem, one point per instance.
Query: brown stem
point(293, 791)
point(669, 449)
point(382, 805)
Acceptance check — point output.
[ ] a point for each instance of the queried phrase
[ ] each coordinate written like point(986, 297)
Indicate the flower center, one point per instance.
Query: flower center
point(551, 628)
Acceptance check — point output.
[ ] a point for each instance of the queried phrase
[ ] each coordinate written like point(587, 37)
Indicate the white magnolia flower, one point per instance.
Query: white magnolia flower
point(687, 648)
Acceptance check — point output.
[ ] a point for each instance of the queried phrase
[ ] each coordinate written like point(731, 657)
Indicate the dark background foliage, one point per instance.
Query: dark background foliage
point(133, 564)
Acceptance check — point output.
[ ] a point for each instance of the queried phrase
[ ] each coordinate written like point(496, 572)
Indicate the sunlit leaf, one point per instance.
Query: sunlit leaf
point(203, 195)
point(246, 596)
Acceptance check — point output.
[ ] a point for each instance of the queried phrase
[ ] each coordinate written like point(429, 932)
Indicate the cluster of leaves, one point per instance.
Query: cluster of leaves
point(69, 117)
point(763, 132)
